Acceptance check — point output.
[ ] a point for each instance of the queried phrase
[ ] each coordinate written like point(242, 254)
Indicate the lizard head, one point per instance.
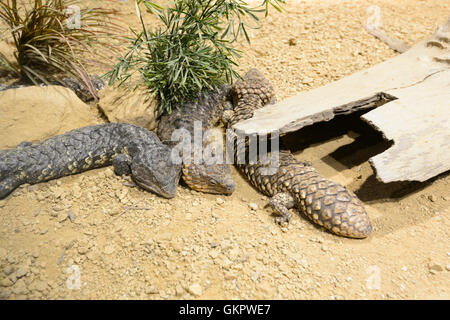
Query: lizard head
point(155, 172)
point(209, 178)
point(211, 174)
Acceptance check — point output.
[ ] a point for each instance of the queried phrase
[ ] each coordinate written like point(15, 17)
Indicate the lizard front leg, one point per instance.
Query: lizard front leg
point(281, 203)
point(121, 164)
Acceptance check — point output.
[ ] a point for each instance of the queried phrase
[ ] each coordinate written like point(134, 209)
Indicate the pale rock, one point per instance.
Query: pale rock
point(109, 249)
point(195, 289)
point(130, 106)
point(35, 113)
point(435, 267)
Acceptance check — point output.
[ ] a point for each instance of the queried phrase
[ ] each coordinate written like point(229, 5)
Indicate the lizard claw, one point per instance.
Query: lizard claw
point(285, 218)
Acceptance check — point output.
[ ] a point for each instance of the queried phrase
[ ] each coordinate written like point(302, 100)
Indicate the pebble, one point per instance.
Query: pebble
point(40, 286)
point(11, 258)
point(307, 80)
point(179, 290)
point(256, 275)
point(62, 216)
point(84, 250)
point(8, 270)
point(220, 201)
point(253, 206)
point(41, 196)
point(91, 255)
point(230, 275)
point(36, 213)
point(71, 216)
point(6, 282)
point(20, 287)
point(4, 294)
point(111, 212)
point(121, 194)
point(59, 208)
point(213, 244)
point(109, 173)
point(76, 191)
point(195, 289)
point(265, 288)
point(432, 198)
point(151, 289)
point(109, 249)
point(214, 254)
point(435, 267)
point(225, 263)
point(165, 236)
point(21, 272)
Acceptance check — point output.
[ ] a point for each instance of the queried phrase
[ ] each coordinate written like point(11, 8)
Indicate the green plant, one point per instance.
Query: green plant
point(49, 45)
point(192, 51)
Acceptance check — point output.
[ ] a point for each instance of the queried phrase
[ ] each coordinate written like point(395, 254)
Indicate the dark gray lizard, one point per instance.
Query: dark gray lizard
point(294, 183)
point(130, 149)
point(208, 110)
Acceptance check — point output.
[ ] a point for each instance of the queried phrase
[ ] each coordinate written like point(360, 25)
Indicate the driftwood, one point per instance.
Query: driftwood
point(393, 43)
point(412, 96)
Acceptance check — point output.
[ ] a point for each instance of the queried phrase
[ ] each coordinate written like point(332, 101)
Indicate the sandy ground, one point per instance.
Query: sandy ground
point(124, 243)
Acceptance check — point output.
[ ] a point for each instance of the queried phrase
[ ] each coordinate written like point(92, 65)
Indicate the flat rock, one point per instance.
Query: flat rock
point(129, 106)
point(35, 113)
point(195, 289)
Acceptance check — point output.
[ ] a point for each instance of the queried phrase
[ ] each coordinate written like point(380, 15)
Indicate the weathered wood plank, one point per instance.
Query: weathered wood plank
point(419, 124)
point(413, 90)
point(321, 104)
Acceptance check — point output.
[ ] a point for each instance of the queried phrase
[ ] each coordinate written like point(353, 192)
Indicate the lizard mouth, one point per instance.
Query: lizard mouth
point(212, 189)
point(161, 191)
